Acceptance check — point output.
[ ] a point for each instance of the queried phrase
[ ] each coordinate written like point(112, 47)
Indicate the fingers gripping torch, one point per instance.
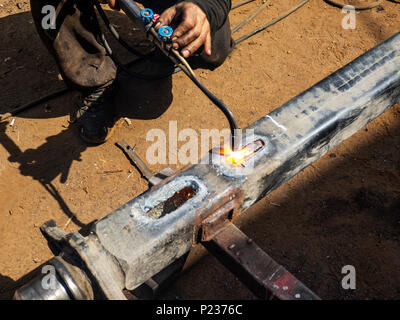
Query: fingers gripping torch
point(162, 39)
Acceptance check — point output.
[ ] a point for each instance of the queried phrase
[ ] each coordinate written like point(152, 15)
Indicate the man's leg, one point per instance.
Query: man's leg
point(82, 61)
point(222, 45)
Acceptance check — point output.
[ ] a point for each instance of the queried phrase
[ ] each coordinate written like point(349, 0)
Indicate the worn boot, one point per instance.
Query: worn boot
point(95, 115)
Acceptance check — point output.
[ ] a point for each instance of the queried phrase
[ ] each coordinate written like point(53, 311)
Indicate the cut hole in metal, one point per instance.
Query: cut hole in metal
point(172, 203)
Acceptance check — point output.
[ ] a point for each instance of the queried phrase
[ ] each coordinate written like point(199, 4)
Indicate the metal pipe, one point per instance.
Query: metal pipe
point(35, 290)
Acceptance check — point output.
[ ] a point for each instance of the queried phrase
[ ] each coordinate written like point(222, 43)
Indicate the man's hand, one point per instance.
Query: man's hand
point(192, 28)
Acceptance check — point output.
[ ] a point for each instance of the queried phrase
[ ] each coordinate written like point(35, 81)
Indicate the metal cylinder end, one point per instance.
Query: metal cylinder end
point(60, 281)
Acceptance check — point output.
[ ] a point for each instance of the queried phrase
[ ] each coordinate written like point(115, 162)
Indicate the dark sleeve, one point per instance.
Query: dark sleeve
point(216, 11)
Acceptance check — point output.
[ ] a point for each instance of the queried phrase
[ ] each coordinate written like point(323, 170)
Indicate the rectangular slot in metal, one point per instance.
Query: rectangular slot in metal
point(172, 203)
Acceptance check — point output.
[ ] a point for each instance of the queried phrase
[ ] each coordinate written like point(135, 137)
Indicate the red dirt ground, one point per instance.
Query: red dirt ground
point(344, 209)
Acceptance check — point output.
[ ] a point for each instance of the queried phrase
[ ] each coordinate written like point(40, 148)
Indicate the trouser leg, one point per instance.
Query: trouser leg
point(222, 45)
point(74, 43)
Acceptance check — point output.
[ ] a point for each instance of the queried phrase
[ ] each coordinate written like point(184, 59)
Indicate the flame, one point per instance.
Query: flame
point(239, 156)
point(236, 157)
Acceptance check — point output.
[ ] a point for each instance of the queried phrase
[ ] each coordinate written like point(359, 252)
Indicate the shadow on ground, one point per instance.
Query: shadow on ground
point(28, 67)
point(8, 285)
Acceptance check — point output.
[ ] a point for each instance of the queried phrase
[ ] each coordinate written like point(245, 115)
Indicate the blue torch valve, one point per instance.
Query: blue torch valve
point(165, 33)
point(147, 15)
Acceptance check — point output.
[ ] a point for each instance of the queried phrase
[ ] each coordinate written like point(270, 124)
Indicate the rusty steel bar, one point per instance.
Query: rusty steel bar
point(144, 236)
point(256, 269)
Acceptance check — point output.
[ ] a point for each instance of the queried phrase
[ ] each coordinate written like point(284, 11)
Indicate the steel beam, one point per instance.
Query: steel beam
point(295, 135)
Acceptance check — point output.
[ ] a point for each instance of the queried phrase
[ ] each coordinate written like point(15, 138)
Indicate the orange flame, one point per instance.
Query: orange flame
point(238, 157)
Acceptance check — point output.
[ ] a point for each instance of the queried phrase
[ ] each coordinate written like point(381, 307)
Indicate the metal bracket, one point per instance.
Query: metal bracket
point(144, 170)
point(216, 219)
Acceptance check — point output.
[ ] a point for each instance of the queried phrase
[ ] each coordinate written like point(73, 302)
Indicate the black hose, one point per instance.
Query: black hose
point(360, 7)
point(221, 105)
point(237, 5)
point(115, 32)
point(251, 17)
point(33, 103)
point(245, 37)
point(226, 111)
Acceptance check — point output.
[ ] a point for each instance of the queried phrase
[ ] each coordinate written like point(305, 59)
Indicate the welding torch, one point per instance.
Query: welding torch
point(162, 39)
